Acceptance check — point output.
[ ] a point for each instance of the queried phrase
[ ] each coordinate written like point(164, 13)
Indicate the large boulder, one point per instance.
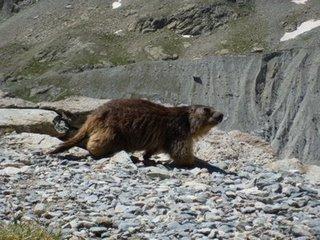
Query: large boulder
point(9, 101)
point(74, 109)
point(28, 120)
point(16, 103)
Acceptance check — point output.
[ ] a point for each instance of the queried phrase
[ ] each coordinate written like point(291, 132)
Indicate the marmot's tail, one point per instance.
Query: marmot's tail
point(73, 141)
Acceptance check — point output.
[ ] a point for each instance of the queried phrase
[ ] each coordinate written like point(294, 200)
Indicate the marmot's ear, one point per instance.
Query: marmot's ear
point(200, 111)
point(208, 110)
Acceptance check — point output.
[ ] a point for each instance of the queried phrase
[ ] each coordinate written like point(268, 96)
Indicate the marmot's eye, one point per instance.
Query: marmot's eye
point(207, 111)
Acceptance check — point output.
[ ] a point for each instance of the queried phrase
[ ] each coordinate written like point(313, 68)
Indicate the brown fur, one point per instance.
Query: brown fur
point(136, 125)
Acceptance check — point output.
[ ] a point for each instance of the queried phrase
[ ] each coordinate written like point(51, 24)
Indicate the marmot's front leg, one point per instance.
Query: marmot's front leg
point(146, 158)
point(181, 153)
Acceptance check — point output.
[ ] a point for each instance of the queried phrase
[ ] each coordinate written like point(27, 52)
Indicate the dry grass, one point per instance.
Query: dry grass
point(25, 231)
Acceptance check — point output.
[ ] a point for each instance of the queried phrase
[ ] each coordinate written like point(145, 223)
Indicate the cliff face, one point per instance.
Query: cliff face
point(275, 95)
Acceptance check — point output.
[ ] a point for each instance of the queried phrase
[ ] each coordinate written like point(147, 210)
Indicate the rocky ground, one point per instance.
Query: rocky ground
point(119, 197)
point(115, 198)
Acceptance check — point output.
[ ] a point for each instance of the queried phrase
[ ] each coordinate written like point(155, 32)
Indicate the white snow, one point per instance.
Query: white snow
point(299, 1)
point(186, 36)
point(304, 27)
point(116, 4)
point(119, 32)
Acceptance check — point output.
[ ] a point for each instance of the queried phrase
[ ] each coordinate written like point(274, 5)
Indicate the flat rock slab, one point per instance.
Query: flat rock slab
point(29, 141)
point(10, 171)
point(28, 120)
point(32, 142)
point(74, 104)
point(74, 108)
point(10, 102)
point(7, 100)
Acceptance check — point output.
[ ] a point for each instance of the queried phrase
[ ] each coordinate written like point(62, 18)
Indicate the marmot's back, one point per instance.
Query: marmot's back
point(141, 124)
point(134, 105)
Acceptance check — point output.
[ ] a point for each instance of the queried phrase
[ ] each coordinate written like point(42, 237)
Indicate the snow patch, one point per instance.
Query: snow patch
point(304, 27)
point(299, 1)
point(119, 32)
point(116, 4)
point(186, 36)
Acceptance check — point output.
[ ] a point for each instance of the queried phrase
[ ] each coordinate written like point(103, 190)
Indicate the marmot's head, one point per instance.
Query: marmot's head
point(202, 119)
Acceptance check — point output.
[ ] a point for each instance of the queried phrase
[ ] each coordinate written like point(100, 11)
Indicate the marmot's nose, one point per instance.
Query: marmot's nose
point(218, 116)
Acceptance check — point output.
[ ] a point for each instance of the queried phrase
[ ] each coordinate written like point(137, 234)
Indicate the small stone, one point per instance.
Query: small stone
point(259, 221)
point(91, 198)
point(226, 228)
point(275, 188)
point(72, 224)
point(123, 158)
point(48, 215)
point(248, 210)
point(156, 172)
point(175, 56)
point(257, 49)
point(84, 224)
point(288, 190)
point(275, 208)
point(196, 171)
point(127, 224)
point(156, 52)
point(126, 209)
point(212, 216)
point(187, 198)
point(222, 165)
point(213, 234)
point(205, 231)
point(223, 51)
point(97, 231)
point(309, 190)
point(231, 194)
point(104, 221)
point(253, 191)
point(300, 231)
point(259, 205)
point(297, 203)
point(268, 179)
point(39, 209)
point(196, 185)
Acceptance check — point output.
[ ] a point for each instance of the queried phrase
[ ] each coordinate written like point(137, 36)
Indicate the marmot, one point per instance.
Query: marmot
point(141, 125)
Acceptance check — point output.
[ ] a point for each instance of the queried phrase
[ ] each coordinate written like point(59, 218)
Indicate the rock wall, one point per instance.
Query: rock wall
point(274, 96)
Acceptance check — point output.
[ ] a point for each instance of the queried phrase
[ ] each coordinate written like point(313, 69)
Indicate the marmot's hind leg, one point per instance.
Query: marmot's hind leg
point(102, 144)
